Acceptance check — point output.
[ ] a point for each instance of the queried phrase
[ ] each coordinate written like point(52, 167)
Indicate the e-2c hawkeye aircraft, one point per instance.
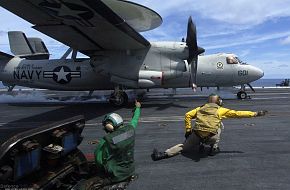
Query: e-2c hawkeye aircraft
point(107, 31)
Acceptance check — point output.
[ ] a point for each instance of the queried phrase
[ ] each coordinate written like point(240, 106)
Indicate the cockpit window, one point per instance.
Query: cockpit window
point(232, 60)
point(240, 61)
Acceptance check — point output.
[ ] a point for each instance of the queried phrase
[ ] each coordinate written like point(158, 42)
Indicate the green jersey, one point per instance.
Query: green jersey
point(115, 151)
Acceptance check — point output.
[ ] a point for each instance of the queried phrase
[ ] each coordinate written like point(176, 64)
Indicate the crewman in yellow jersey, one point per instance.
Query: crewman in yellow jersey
point(207, 128)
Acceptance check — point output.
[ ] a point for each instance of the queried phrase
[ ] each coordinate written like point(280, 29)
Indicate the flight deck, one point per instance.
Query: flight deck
point(255, 152)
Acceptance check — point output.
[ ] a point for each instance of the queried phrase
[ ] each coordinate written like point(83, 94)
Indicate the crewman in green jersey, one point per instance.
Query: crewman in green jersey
point(114, 154)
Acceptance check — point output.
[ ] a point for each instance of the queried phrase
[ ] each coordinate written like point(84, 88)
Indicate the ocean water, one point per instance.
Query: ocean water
point(266, 82)
point(258, 83)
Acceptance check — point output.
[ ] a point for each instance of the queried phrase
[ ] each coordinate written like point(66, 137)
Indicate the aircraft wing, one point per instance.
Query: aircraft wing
point(89, 25)
point(4, 56)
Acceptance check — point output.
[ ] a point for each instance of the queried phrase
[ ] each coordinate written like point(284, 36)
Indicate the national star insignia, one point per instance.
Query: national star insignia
point(62, 75)
point(66, 11)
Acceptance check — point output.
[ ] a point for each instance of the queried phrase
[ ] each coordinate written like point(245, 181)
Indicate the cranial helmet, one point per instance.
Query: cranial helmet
point(112, 121)
point(214, 98)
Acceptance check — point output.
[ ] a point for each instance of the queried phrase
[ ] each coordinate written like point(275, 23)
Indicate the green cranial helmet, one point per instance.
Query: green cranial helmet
point(114, 118)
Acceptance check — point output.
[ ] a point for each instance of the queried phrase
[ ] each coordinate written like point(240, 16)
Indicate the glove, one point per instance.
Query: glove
point(261, 113)
point(187, 133)
point(137, 104)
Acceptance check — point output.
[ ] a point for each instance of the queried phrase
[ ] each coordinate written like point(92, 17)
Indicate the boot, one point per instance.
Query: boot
point(158, 155)
point(213, 151)
point(201, 148)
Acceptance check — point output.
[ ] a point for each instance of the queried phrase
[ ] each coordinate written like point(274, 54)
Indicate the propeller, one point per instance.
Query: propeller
point(193, 49)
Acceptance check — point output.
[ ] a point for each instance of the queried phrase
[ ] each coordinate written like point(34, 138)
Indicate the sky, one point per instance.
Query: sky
point(257, 31)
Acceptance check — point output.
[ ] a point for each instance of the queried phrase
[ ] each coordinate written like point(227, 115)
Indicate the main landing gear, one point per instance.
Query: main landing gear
point(118, 98)
point(10, 88)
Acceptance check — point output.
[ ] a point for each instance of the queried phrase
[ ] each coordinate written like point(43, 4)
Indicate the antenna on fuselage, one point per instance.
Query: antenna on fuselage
point(66, 54)
point(74, 54)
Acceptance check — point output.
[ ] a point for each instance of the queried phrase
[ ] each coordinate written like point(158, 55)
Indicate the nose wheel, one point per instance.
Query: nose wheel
point(242, 95)
point(119, 98)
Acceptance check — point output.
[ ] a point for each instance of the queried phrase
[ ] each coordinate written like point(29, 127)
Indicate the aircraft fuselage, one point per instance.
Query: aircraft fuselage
point(161, 66)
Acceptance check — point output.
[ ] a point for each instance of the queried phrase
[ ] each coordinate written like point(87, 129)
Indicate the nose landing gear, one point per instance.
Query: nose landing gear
point(242, 93)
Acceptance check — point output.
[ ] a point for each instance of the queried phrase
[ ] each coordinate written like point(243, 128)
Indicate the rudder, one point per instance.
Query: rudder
point(29, 48)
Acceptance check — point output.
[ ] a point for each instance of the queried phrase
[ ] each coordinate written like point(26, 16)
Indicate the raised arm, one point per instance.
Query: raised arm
point(137, 112)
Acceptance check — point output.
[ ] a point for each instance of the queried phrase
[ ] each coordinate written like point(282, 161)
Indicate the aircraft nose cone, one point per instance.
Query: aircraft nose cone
point(259, 73)
point(255, 73)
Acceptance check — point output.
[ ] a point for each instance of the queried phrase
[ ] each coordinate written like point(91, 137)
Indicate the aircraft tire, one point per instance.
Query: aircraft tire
point(242, 95)
point(120, 99)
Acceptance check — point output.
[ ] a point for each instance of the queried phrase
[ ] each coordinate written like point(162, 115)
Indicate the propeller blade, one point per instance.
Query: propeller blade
point(193, 74)
point(251, 87)
point(200, 50)
point(191, 40)
point(193, 50)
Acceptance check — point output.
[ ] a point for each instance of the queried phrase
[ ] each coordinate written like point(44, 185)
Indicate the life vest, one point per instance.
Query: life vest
point(120, 161)
point(207, 118)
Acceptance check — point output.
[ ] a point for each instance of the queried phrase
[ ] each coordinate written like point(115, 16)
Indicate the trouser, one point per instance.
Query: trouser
point(192, 143)
point(97, 183)
point(103, 182)
point(99, 178)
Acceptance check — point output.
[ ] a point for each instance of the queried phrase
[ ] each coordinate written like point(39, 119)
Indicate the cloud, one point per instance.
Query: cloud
point(238, 12)
point(286, 41)
point(244, 12)
point(247, 40)
point(283, 66)
point(244, 53)
point(3, 33)
point(272, 67)
point(268, 63)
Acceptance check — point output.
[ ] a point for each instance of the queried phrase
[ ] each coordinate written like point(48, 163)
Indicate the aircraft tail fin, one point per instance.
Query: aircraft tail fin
point(38, 45)
point(29, 48)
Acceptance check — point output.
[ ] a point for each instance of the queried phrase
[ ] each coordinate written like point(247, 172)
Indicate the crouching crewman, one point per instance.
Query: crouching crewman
point(114, 155)
point(207, 128)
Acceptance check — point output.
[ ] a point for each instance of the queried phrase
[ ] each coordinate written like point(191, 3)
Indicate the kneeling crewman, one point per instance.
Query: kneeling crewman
point(114, 155)
point(207, 128)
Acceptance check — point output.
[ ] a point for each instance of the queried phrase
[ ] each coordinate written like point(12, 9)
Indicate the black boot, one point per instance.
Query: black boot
point(201, 148)
point(213, 151)
point(158, 155)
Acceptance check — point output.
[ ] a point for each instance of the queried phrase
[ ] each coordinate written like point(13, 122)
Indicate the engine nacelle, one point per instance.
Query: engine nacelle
point(147, 79)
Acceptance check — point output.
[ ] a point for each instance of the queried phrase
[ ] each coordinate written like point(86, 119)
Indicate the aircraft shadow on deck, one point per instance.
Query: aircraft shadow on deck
point(160, 106)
